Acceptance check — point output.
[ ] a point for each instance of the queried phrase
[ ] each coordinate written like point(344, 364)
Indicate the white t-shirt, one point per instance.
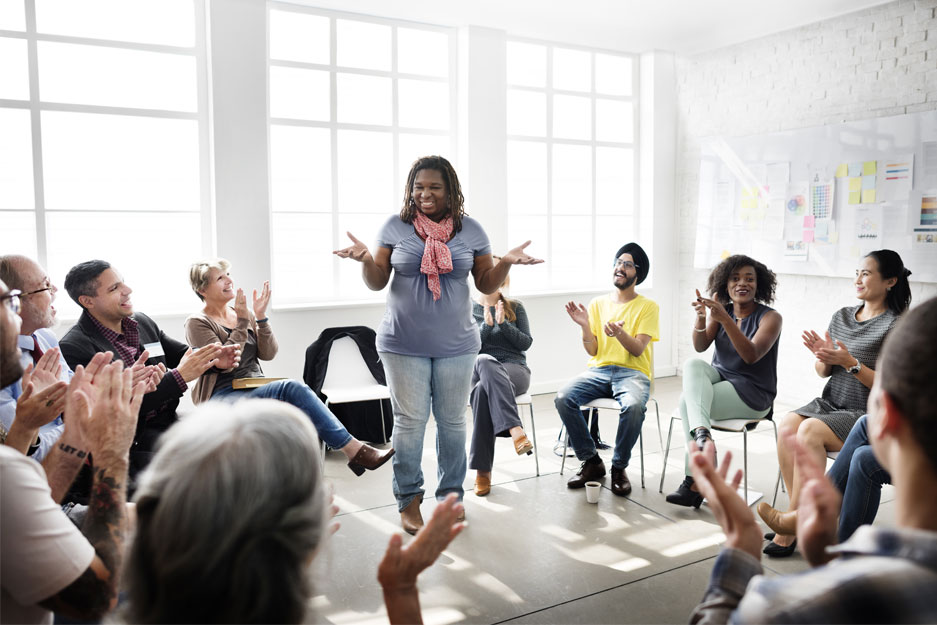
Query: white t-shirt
point(41, 551)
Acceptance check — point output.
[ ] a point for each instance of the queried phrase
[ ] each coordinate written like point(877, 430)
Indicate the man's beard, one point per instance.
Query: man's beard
point(628, 283)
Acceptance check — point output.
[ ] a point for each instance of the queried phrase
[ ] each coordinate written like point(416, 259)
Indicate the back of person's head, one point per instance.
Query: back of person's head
point(10, 270)
point(890, 266)
point(905, 371)
point(229, 514)
point(82, 279)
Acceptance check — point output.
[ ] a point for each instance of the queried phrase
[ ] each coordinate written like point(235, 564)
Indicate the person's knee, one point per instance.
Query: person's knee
point(812, 433)
point(485, 365)
point(694, 367)
point(864, 463)
point(565, 398)
point(789, 424)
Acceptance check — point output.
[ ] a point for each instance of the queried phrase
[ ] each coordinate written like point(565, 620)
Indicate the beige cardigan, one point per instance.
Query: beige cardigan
point(200, 330)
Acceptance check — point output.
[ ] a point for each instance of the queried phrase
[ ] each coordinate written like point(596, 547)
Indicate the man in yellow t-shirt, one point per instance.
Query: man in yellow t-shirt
point(617, 330)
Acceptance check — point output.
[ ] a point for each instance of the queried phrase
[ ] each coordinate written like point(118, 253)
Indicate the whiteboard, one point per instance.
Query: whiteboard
point(815, 200)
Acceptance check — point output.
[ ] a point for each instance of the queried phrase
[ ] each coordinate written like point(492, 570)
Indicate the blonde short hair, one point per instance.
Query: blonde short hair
point(198, 273)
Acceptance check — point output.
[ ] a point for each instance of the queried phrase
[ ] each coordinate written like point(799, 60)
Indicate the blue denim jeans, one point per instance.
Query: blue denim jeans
point(296, 393)
point(417, 385)
point(859, 477)
point(630, 387)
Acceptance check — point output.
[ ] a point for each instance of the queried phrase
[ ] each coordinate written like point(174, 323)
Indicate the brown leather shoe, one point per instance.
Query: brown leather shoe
point(482, 485)
point(410, 518)
point(523, 446)
point(621, 485)
point(369, 458)
point(587, 473)
point(780, 522)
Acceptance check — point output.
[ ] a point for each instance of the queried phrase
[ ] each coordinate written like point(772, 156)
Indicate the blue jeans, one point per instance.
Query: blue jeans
point(859, 477)
point(630, 387)
point(330, 429)
point(418, 384)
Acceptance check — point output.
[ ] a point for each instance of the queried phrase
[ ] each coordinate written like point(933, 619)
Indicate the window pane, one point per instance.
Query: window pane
point(572, 117)
point(113, 77)
point(614, 181)
point(302, 262)
point(364, 45)
point(170, 22)
point(572, 69)
point(300, 169)
point(299, 37)
point(117, 162)
point(612, 74)
point(364, 99)
point(423, 104)
point(614, 121)
point(533, 228)
point(412, 147)
point(571, 262)
point(16, 159)
point(572, 180)
point(422, 52)
point(527, 113)
point(526, 64)
point(611, 232)
point(299, 93)
point(527, 179)
point(365, 172)
point(365, 228)
point(126, 241)
point(19, 233)
point(12, 15)
point(14, 70)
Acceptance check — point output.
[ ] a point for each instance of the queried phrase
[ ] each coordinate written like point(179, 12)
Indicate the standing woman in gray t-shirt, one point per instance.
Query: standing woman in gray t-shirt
point(427, 339)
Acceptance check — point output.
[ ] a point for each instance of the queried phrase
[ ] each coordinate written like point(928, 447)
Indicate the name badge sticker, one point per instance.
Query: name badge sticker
point(155, 349)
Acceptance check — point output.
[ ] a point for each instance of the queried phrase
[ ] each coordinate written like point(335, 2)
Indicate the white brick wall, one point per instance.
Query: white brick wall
point(872, 63)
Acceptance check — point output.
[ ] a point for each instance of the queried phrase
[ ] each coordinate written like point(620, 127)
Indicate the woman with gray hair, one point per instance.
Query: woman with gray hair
point(230, 514)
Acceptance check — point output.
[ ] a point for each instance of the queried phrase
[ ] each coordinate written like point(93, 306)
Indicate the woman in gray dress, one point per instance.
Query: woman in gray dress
point(846, 354)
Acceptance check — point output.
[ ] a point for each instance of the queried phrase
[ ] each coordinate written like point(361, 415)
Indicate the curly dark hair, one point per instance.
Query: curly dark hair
point(718, 283)
point(456, 201)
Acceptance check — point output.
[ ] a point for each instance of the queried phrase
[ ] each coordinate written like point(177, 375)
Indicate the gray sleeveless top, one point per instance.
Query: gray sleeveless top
point(756, 383)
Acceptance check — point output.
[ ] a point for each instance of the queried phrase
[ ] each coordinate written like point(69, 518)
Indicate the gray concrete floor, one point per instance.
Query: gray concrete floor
point(537, 552)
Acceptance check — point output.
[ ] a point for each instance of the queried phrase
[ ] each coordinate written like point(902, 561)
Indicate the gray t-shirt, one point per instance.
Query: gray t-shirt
point(414, 324)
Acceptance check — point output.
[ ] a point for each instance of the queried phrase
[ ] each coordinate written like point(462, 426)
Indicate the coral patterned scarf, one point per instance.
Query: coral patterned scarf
point(437, 258)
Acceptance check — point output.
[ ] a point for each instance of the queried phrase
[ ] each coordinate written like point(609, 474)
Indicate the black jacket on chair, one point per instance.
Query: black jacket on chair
point(363, 418)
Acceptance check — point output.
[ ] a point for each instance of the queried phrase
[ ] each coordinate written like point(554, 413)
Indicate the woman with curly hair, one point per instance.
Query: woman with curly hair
point(428, 340)
point(846, 354)
point(742, 380)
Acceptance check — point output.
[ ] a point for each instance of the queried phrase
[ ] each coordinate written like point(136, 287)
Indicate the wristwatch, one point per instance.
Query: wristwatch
point(855, 368)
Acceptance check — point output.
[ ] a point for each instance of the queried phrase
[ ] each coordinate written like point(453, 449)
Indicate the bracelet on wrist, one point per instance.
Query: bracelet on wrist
point(699, 329)
point(264, 320)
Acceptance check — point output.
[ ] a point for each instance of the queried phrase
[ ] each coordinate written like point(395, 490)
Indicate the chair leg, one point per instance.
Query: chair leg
point(641, 444)
point(533, 431)
point(745, 460)
point(777, 482)
point(660, 434)
point(380, 403)
point(663, 470)
point(565, 445)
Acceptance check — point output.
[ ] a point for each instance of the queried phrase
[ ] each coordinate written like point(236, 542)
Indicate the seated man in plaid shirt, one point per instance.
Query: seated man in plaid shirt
point(879, 575)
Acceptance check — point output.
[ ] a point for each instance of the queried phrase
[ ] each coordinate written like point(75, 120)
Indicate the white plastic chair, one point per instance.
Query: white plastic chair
point(527, 400)
point(348, 378)
point(729, 425)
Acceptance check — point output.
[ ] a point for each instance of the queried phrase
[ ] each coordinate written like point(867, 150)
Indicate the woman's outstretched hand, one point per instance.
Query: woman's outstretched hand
point(262, 301)
point(357, 251)
point(716, 310)
point(518, 256)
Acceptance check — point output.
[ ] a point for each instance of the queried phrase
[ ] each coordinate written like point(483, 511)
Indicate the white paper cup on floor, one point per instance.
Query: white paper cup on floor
point(592, 491)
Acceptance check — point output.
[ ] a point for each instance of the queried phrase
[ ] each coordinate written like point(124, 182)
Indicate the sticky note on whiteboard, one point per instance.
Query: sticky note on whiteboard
point(868, 196)
point(809, 221)
point(842, 170)
point(868, 168)
point(855, 197)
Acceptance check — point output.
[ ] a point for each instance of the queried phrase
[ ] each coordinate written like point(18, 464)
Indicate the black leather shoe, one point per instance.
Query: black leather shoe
point(770, 536)
point(775, 550)
point(685, 496)
point(621, 485)
point(588, 472)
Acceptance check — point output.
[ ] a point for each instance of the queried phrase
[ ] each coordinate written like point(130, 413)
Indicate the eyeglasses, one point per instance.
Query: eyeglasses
point(626, 264)
point(12, 300)
point(48, 287)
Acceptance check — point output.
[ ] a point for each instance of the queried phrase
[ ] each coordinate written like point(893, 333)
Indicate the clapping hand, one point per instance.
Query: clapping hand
point(518, 256)
point(150, 375)
point(228, 357)
point(835, 353)
point(716, 309)
point(613, 328)
point(43, 397)
point(489, 320)
point(357, 251)
point(195, 363)
point(732, 512)
point(240, 305)
point(814, 343)
point(578, 313)
point(499, 312)
point(261, 302)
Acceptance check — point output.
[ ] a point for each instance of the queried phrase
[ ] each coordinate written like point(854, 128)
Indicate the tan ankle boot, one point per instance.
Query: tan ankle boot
point(410, 518)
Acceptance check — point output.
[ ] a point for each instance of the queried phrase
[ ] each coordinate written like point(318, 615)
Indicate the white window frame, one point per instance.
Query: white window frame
point(400, 170)
point(549, 141)
point(36, 106)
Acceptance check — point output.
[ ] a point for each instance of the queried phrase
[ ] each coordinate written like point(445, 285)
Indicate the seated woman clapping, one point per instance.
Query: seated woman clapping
point(219, 321)
point(742, 380)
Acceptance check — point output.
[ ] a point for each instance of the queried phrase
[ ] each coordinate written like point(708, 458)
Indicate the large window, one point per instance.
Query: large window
point(572, 125)
point(103, 149)
point(353, 101)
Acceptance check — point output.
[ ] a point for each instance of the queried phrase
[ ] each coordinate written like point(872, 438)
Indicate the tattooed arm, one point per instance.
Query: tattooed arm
point(107, 415)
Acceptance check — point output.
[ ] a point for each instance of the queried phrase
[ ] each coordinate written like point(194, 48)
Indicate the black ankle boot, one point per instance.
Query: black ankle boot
point(685, 496)
point(702, 436)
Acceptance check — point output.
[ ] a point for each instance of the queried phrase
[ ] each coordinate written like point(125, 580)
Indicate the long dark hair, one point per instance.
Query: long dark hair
point(890, 265)
point(455, 204)
point(718, 283)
